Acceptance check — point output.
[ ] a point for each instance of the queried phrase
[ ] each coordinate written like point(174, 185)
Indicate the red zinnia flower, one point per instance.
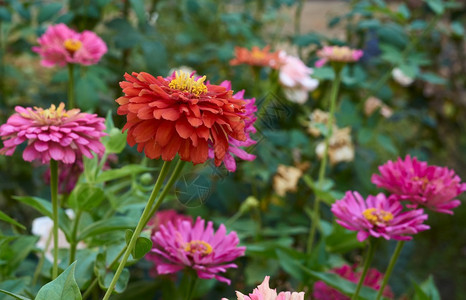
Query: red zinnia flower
point(166, 116)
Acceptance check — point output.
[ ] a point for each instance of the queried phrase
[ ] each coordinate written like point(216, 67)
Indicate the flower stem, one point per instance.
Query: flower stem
point(192, 285)
point(74, 232)
point(390, 267)
point(70, 86)
point(163, 173)
point(297, 24)
point(367, 262)
point(323, 165)
point(54, 195)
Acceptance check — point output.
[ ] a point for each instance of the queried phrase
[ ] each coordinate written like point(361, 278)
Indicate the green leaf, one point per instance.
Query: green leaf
point(457, 29)
point(115, 142)
point(122, 172)
point(289, 261)
point(324, 73)
point(86, 196)
point(105, 276)
point(143, 246)
point(7, 219)
point(63, 287)
point(386, 142)
point(426, 290)
point(107, 225)
point(138, 7)
point(16, 296)
point(5, 15)
point(432, 78)
point(342, 240)
point(18, 250)
point(437, 6)
point(15, 286)
point(90, 167)
point(47, 11)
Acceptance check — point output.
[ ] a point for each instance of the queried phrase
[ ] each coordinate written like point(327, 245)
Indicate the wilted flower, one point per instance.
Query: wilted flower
point(182, 245)
point(256, 57)
point(340, 148)
point(60, 45)
point(264, 292)
point(378, 216)
point(43, 227)
point(286, 179)
point(401, 77)
point(317, 118)
point(180, 115)
point(53, 133)
point(373, 279)
point(372, 104)
point(296, 79)
point(163, 217)
point(342, 54)
point(415, 181)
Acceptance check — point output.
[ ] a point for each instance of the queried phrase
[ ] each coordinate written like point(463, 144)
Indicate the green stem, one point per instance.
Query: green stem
point(367, 263)
point(323, 165)
point(390, 267)
point(192, 286)
point(297, 23)
point(70, 86)
point(74, 232)
point(139, 227)
point(54, 195)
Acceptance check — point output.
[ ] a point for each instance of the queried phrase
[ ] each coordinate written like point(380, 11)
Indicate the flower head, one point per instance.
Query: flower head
point(415, 181)
point(181, 244)
point(342, 54)
point(264, 292)
point(372, 104)
point(373, 279)
point(341, 148)
point(400, 77)
point(296, 78)
point(60, 45)
point(286, 179)
point(378, 216)
point(53, 133)
point(180, 114)
point(256, 57)
point(163, 217)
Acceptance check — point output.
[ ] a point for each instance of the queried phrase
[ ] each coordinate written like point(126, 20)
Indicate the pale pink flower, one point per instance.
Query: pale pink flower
point(182, 245)
point(415, 181)
point(296, 79)
point(60, 45)
point(373, 279)
point(53, 133)
point(378, 216)
point(264, 292)
point(342, 54)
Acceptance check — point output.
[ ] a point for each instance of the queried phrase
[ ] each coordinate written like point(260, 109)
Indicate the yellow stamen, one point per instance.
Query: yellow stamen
point(72, 45)
point(201, 247)
point(377, 216)
point(53, 112)
point(185, 83)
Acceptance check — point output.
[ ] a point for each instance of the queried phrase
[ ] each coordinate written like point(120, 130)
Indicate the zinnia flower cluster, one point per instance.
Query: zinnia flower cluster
point(181, 244)
point(264, 292)
point(166, 116)
point(60, 45)
point(373, 279)
point(420, 184)
point(53, 133)
point(342, 54)
point(378, 216)
point(256, 57)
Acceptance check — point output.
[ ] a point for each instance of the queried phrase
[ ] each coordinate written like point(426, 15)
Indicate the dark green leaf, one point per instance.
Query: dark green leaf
point(7, 219)
point(437, 6)
point(16, 296)
point(107, 225)
point(15, 286)
point(47, 11)
point(143, 246)
point(138, 7)
point(86, 196)
point(5, 15)
point(289, 261)
point(432, 78)
point(63, 287)
point(105, 276)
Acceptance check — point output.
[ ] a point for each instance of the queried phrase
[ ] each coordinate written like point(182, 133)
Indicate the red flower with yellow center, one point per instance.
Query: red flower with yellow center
point(181, 114)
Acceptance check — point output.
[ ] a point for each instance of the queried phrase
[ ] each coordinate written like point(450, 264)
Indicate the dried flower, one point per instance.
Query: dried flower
point(400, 77)
point(415, 181)
point(286, 179)
point(337, 54)
point(60, 45)
point(317, 118)
point(341, 146)
point(182, 245)
point(53, 133)
point(372, 104)
point(256, 57)
point(378, 216)
point(180, 115)
point(264, 292)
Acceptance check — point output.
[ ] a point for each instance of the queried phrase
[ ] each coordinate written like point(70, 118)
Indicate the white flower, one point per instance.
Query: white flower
point(401, 77)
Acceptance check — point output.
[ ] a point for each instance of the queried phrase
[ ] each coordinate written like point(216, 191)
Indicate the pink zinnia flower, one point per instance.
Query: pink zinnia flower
point(164, 216)
point(342, 54)
point(184, 245)
point(415, 181)
point(264, 292)
point(378, 216)
point(53, 133)
point(296, 79)
point(60, 45)
point(373, 279)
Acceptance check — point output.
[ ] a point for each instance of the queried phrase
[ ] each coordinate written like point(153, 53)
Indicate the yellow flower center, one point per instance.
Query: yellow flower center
point(423, 180)
point(72, 45)
point(53, 112)
point(377, 216)
point(341, 52)
point(257, 54)
point(200, 247)
point(185, 83)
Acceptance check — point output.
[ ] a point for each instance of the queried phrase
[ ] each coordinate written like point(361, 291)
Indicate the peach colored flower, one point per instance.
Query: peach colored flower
point(256, 57)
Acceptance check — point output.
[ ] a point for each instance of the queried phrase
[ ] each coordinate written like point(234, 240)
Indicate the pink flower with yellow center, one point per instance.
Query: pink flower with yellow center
point(182, 245)
point(342, 54)
point(415, 181)
point(264, 292)
point(53, 133)
point(378, 216)
point(60, 45)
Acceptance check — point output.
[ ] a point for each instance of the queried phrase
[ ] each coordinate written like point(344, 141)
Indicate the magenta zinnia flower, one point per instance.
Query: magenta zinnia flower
point(264, 292)
point(342, 54)
point(378, 216)
point(182, 245)
point(373, 279)
point(164, 216)
point(53, 133)
point(60, 45)
point(415, 181)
